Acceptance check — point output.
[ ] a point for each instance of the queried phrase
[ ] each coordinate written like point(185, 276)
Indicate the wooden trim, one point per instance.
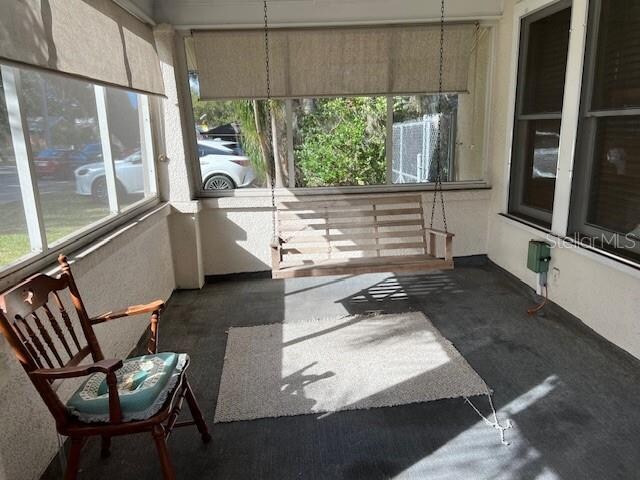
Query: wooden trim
point(374, 212)
point(367, 265)
point(299, 204)
point(354, 248)
point(354, 236)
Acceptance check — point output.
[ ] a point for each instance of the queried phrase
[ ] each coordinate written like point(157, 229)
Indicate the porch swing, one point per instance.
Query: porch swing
point(357, 235)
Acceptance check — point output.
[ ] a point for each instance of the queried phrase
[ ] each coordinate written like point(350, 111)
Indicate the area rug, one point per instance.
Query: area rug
point(340, 364)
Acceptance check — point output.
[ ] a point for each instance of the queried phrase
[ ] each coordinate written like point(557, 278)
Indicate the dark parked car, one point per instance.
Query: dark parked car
point(55, 162)
point(91, 152)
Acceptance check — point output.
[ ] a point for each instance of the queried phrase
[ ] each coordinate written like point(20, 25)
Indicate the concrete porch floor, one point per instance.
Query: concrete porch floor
point(571, 396)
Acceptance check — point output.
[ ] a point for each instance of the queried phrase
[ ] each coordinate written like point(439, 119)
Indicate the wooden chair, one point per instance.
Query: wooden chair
point(356, 235)
point(41, 333)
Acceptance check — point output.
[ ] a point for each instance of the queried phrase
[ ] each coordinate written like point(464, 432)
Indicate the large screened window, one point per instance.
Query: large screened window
point(605, 206)
point(346, 140)
point(73, 156)
point(544, 41)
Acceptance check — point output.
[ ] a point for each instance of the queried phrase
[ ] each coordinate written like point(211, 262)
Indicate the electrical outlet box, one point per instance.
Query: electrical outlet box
point(538, 256)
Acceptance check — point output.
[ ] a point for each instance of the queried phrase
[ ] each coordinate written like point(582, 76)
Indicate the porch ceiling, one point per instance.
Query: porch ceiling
point(216, 13)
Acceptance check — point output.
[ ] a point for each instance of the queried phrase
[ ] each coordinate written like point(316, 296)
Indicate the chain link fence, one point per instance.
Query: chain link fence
point(414, 149)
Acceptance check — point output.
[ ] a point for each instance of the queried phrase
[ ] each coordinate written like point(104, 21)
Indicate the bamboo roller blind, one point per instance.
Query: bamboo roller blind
point(312, 62)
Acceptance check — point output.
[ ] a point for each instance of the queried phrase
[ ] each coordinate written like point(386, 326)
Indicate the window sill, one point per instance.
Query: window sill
point(601, 256)
point(298, 192)
point(83, 242)
point(263, 199)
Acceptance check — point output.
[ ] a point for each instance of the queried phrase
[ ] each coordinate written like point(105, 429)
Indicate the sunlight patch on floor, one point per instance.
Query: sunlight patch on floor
point(477, 453)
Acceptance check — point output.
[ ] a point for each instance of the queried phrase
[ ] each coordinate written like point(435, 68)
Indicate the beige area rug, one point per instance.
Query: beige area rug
point(342, 364)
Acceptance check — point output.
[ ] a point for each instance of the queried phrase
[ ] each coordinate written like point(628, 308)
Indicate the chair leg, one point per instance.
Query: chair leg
point(196, 413)
point(163, 452)
point(105, 449)
point(73, 462)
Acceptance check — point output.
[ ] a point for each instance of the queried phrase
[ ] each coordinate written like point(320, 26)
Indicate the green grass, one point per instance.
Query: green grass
point(63, 214)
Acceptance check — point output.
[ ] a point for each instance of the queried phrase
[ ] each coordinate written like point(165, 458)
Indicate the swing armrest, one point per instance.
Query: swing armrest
point(276, 253)
point(448, 242)
point(440, 233)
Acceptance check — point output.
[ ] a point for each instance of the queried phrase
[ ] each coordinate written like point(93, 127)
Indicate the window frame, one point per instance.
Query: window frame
point(570, 110)
point(42, 252)
point(579, 226)
point(516, 205)
point(388, 186)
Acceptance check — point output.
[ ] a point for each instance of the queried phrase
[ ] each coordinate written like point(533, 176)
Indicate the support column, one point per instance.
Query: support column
point(178, 174)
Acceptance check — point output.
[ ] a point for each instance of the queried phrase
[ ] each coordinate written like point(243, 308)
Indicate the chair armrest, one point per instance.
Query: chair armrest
point(152, 307)
point(103, 366)
point(107, 367)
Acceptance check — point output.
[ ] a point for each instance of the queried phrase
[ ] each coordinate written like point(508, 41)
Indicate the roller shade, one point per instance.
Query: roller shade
point(313, 62)
point(93, 39)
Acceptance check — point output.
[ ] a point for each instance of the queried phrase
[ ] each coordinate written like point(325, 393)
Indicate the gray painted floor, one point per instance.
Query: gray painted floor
point(572, 397)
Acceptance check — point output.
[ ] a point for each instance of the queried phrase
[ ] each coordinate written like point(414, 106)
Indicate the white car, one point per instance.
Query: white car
point(91, 180)
point(223, 166)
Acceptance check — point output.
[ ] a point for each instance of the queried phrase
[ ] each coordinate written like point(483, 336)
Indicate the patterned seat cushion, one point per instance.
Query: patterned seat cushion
point(143, 386)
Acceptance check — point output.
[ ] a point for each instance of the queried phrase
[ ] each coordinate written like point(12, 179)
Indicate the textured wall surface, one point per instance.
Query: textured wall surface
point(236, 232)
point(127, 268)
point(601, 292)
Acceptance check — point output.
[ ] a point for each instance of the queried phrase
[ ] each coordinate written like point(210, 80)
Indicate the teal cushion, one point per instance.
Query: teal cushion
point(143, 386)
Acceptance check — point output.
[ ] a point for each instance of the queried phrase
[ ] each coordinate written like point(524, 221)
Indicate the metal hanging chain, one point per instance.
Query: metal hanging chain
point(438, 183)
point(270, 158)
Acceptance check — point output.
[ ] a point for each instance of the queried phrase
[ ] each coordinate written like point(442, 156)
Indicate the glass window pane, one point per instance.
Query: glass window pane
point(65, 138)
point(543, 54)
point(541, 139)
point(617, 74)
point(614, 201)
point(231, 144)
point(125, 130)
point(339, 141)
point(546, 61)
point(416, 121)
point(14, 240)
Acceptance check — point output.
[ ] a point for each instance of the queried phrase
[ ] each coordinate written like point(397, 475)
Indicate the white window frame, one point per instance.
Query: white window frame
point(41, 252)
point(387, 187)
point(570, 106)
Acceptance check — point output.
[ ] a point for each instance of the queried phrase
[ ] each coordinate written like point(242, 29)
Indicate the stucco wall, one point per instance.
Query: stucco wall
point(236, 232)
point(129, 267)
point(604, 294)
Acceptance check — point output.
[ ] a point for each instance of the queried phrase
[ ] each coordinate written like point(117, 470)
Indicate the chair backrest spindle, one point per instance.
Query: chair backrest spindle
point(67, 320)
point(56, 328)
point(47, 340)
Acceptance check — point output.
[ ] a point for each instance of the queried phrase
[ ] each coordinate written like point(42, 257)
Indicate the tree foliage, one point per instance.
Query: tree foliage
point(341, 141)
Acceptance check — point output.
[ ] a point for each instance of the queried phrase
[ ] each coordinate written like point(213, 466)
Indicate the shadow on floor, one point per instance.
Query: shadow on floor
point(571, 395)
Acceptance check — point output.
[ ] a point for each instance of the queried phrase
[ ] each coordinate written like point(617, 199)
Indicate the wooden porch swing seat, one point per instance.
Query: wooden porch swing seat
point(355, 236)
point(143, 394)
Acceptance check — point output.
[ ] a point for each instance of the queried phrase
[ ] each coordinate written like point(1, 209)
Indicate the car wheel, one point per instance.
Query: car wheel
point(219, 182)
point(100, 193)
point(99, 190)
